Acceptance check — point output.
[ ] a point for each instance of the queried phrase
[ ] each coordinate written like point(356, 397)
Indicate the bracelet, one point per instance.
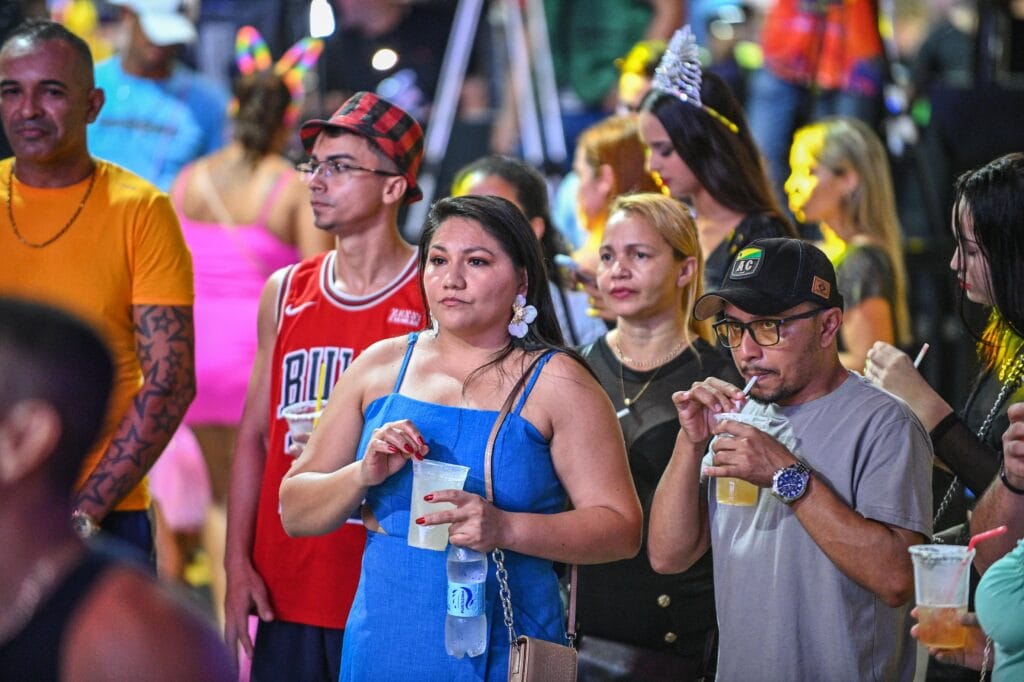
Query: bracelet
point(1009, 486)
point(84, 524)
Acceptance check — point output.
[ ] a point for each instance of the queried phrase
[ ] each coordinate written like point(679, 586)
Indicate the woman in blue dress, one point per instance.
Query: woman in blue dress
point(562, 487)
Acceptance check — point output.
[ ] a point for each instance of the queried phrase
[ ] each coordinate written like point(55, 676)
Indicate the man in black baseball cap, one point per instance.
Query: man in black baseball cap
point(843, 472)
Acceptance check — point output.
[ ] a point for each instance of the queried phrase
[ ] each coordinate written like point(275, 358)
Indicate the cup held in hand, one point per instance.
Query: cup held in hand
point(736, 491)
point(301, 417)
point(429, 476)
point(942, 585)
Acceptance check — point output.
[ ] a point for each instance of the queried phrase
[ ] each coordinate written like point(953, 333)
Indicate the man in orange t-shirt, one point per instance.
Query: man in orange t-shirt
point(89, 236)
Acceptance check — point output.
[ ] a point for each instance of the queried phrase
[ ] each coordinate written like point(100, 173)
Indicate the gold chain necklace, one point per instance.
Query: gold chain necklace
point(650, 364)
point(67, 225)
point(627, 401)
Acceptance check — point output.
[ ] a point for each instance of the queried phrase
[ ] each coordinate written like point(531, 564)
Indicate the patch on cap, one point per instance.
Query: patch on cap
point(821, 287)
point(747, 263)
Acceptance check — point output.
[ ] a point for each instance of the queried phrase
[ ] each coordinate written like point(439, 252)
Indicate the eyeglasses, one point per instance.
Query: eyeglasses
point(333, 168)
point(764, 331)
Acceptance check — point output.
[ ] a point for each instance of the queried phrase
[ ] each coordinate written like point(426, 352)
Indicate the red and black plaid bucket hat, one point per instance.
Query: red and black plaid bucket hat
point(384, 125)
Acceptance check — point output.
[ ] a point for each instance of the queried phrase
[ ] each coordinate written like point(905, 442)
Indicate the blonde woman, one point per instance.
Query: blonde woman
point(841, 180)
point(650, 274)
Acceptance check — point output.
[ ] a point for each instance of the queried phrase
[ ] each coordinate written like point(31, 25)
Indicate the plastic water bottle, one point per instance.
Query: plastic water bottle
point(465, 626)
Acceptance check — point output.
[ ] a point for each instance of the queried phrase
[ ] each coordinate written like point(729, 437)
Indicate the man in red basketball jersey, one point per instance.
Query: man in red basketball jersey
point(321, 312)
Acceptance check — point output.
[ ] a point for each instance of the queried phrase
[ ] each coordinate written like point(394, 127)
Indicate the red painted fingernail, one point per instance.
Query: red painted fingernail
point(419, 521)
point(392, 448)
point(408, 448)
point(419, 456)
point(429, 497)
point(422, 442)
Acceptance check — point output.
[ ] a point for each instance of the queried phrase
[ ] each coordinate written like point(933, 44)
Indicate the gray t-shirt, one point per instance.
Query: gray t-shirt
point(785, 611)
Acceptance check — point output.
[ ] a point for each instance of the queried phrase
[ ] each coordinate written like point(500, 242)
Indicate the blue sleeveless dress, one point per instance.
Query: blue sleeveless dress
point(395, 630)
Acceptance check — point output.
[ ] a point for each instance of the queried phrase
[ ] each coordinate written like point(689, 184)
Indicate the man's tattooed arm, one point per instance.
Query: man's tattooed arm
point(164, 341)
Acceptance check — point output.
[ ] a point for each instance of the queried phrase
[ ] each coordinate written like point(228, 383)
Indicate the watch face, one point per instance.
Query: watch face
point(790, 483)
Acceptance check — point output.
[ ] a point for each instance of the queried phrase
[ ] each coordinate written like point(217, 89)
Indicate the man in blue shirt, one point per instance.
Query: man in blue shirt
point(159, 114)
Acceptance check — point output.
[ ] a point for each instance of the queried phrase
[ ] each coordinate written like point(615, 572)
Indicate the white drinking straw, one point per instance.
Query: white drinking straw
point(920, 355)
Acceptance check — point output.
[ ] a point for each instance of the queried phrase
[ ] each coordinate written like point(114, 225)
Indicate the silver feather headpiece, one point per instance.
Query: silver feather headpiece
point(679, 74)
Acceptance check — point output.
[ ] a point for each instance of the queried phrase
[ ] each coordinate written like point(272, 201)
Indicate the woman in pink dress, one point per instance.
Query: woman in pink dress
point(245, 213)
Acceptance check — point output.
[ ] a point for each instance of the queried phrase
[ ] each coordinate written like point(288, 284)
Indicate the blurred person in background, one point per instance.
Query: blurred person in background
point(820, 59)
point(586, 38)
point(245, 214)
point(610, 160)
point(160, 114)
point(523, 185)
point(701, 148)
point(636, 70)
point(636, 623)
point(71, 610)
point(841, 180)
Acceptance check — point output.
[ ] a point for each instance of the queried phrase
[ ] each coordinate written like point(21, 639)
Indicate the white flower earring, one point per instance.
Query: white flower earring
point(522, 316)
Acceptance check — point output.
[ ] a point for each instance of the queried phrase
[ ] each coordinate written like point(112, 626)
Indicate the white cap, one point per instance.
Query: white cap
point(161, 20)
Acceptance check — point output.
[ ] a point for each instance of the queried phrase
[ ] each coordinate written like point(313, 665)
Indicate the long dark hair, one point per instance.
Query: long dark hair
point(531, 194)
point(262, 99)
point(993, 198)
point(727, 164)
point(503, 221)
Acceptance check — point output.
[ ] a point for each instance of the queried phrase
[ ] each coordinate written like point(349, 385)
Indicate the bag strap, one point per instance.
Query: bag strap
point(499, 557)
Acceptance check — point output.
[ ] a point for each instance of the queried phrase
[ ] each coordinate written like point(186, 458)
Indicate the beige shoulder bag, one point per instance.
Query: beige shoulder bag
point(530, 659)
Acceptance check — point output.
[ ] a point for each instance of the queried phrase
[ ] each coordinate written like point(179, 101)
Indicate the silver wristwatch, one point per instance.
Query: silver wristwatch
point(83, 523)
point(790, 483)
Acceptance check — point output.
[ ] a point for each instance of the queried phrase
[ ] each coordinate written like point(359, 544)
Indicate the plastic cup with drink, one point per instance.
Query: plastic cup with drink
point(429, 476)
point(736, 491)
point(941, 584)
point(301, 418)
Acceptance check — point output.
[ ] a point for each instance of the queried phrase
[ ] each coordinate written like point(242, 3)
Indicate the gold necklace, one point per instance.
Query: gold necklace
point(650, 364)
point(67, 225)
point(627, 401)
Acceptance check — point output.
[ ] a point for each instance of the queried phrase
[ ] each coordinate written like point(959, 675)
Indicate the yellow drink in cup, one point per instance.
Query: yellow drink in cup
point(736, 491)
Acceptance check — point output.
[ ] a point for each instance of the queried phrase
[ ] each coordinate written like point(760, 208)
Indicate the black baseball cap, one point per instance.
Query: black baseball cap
point(770, 276)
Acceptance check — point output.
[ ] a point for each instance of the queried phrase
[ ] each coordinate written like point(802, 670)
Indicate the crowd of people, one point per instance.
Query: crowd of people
point(166, 301)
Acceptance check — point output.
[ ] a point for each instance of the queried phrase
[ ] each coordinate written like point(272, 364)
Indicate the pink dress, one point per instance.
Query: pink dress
point(231, 264)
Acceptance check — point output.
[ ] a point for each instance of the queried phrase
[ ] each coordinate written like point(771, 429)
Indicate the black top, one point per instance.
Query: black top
point(34, 654)
point(755, 226)
point(627, 601)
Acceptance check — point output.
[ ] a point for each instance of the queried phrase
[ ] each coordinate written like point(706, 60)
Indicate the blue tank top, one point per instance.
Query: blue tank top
point(395, 629)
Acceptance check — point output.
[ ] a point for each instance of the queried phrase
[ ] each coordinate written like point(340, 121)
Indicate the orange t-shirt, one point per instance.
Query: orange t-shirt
point(124, 249)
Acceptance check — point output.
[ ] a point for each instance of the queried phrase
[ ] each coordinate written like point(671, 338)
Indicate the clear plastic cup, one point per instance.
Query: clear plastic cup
point(427, 477)
point(736, 491)
point(942, 586)
point(301, 418)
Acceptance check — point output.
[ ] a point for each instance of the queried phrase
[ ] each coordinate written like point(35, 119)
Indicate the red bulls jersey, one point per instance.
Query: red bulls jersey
point(313, 580)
